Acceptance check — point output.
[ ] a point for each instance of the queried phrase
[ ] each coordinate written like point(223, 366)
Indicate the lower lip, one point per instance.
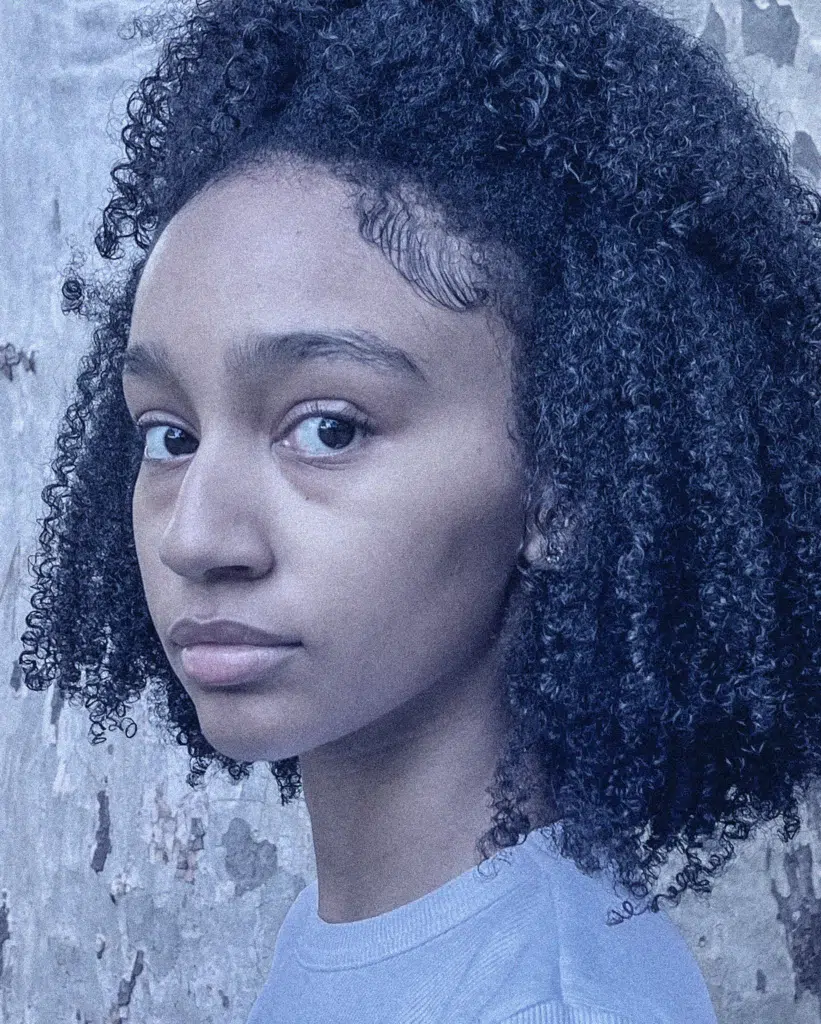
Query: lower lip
point(215, 664)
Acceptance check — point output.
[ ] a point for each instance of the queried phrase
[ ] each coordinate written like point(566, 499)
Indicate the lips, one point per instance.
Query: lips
point(229, 664)
point(185, 632)
point(223, 652)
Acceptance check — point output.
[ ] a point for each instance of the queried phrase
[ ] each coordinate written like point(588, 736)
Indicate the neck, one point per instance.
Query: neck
point(397, 809)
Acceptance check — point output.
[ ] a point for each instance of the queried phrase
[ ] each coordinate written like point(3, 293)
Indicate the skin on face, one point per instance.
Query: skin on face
point(387, 554)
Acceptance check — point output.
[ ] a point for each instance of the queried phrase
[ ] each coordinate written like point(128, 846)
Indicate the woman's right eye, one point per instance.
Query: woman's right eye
point(163, 442)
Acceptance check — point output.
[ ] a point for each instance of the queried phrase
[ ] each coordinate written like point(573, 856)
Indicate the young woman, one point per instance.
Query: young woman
point(450, 442)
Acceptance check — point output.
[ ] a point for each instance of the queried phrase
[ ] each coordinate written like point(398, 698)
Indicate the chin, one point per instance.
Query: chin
point(242, 727)
point(239, 745)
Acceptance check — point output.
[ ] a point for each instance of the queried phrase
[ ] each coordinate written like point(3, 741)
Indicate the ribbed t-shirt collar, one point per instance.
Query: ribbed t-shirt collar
point(324, 946)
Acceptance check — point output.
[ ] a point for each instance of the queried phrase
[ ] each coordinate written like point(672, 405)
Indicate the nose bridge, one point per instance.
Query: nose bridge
point(220, 518)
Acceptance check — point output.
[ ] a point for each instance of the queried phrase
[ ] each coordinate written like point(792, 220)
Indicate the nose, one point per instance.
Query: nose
point(221, 519)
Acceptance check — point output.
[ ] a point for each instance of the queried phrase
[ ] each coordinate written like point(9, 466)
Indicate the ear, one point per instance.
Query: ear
point(533, 548)
point(548, 532)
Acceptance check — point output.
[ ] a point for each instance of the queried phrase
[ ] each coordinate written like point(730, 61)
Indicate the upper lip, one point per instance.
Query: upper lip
point(223, 631)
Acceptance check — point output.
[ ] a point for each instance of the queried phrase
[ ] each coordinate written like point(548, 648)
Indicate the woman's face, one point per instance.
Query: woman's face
point(329, 459)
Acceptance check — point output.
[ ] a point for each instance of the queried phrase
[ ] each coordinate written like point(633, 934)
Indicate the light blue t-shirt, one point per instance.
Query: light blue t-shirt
point(521, 939)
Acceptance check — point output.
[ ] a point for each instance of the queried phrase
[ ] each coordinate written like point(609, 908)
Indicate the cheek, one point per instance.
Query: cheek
point(147, 529)
point(422, 570)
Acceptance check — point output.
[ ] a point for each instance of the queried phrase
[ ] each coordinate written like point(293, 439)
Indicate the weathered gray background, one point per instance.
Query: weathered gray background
point(124, 895)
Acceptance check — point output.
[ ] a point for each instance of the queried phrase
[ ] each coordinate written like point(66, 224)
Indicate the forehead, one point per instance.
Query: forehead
point(277, 251)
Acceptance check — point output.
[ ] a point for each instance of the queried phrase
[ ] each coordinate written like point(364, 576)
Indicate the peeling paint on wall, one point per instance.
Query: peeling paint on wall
point(56, 223)
point(5, 934)
point(119, 1010)
point(169, 842)
point(163, 827)
point(770, 29)
point(103, 835)
point(715, 31)
point(8, 595)
point(127, 987)
point(187, 858)
point(248, 862)
point(11, 357)
point(56, 705)
point(154, 926)
point(800, 913)
point(805, 155)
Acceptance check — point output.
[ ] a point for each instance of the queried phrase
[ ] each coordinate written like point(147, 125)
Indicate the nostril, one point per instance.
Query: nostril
point(230, 572)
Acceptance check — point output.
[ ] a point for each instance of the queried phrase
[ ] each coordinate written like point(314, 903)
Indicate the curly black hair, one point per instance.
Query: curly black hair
point(663, 673)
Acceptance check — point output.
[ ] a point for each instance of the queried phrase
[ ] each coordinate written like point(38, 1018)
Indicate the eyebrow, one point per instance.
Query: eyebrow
point(271, 352)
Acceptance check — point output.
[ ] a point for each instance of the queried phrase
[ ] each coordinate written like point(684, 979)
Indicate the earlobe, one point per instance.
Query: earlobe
point(546, 536)
point(533, 548)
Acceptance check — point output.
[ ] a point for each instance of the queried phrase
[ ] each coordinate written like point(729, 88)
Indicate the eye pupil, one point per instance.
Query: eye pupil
point(336, 433)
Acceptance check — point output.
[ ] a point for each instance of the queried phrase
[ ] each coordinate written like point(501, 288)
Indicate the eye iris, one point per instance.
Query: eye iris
point(174, 436)
point(335, 433)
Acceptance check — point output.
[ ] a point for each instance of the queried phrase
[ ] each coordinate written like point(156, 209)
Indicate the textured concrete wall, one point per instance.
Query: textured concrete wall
point(124, 895)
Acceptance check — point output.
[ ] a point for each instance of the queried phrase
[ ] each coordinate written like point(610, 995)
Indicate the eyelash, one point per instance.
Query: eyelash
point(312, 410)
